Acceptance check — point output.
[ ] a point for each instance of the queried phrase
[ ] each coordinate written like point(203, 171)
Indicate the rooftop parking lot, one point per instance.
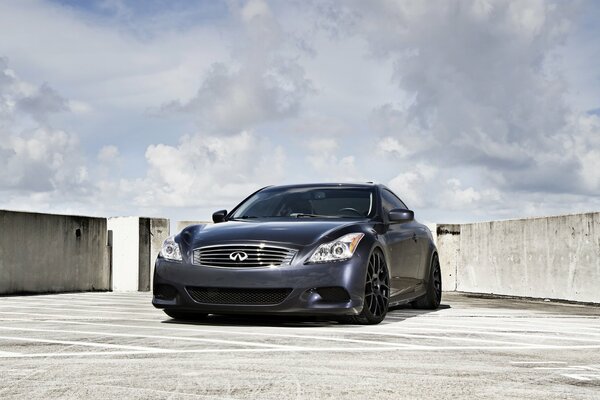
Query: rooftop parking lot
point(100, 345)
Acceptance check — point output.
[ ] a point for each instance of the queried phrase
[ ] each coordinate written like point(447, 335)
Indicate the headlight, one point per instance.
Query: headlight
point(170, 249)
point(340, 249)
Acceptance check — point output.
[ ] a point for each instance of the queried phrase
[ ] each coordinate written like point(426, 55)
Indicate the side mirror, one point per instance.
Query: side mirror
point(400, 215)
point(219, 216)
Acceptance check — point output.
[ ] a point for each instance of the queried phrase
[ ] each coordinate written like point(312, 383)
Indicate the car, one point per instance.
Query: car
point(343, 251)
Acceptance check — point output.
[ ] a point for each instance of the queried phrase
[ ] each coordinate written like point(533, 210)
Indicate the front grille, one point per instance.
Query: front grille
point(208, 295)
point(243, 255)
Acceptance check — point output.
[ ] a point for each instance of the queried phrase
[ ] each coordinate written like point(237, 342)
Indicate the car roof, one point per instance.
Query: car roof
point(325, 185)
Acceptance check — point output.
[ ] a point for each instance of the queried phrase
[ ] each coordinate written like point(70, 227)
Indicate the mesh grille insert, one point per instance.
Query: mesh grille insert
point(238, 296)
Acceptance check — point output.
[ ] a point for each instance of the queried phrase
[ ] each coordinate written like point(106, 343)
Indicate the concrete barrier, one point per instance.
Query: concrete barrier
point(136, 243)
point(448, 244)
point(553, 257)
point(42, 253)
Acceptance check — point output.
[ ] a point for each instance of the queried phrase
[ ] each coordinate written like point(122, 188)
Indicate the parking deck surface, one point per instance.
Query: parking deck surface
point(116, 345)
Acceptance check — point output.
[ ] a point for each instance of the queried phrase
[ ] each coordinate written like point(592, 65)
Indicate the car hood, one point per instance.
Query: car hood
point(295, 232)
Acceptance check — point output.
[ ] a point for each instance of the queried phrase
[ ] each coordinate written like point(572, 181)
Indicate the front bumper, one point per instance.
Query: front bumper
point(304, 280)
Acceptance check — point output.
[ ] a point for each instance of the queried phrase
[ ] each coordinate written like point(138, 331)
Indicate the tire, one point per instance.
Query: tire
point(377, 292)
point(185, 316)
point(433, 297)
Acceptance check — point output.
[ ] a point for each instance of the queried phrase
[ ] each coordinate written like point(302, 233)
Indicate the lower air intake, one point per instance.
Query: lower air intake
point(333, 294)
point(207, 295)
point(164, 292)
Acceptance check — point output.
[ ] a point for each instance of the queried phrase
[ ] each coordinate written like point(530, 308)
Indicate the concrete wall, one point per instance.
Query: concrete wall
point(136, 243)
point(52, 253)
point(125, 253)
point(553, 257)
point(448, 243)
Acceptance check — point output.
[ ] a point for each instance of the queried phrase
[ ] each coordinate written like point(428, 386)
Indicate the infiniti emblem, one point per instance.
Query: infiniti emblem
point(238, 256)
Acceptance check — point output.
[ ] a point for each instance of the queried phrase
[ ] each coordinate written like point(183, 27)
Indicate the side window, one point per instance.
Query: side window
point(390, 201)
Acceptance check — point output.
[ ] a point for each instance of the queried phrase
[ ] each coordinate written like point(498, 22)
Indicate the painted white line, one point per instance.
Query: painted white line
point(557, 369)
point(572, 368)
point(76, 306)
point(132, 335)
point(211, 331)
point(300, 349)
point(85, 297)
point(362, 331)
point(503, 327)
point(536, 362)
point(131, 295)
point(451, 338)
point(81, 343)
point(588, 367)
point(571, 320)
point(68, 302)
point(62, 316)
point(86, 310)
point(147, 308)
point(507, 334)
point(583, 377)
point(9, 353)
point(55, 302)
point(590, 324)
point(329, 338)
point(482, 313)
point(79, 353)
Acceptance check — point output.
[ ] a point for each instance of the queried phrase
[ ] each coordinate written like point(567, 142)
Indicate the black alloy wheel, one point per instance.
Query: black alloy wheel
point(377, 291)
point(432, 299)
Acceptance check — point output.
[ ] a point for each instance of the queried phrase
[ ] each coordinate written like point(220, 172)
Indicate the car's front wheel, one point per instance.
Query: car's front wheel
point(184, 315)
point(377, 292)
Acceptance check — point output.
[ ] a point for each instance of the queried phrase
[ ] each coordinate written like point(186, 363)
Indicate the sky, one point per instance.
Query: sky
point(468, 110)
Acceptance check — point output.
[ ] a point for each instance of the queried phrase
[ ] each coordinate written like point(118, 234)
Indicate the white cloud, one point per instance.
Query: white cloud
point(108, 153)
point(478, 74)
point(204, 170)
point(412, 185)
point(35, 157)
point(392, 145)
point(455, 197)
point(322, 145)
point(255, 9)
point(264, 83)
point(131, 64)
point(327, 164)
point(459, 105)
point(43, 102)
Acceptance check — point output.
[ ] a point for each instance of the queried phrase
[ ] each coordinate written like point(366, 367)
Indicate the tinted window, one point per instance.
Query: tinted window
point(291, 202)
point(390, 201)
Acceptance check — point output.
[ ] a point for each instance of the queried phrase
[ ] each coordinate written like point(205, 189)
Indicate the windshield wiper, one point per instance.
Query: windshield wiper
point(245, 217)
point(303, 215)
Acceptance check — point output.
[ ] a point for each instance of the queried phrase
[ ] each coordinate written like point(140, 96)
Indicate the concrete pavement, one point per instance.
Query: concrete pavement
point(109, 345)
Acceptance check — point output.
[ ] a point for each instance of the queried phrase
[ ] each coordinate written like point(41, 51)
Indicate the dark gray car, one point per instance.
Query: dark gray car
point(344, 250)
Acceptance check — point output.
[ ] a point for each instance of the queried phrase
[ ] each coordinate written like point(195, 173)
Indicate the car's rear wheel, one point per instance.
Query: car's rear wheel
point(377, 292)
point(431, 300)
point(185, 315)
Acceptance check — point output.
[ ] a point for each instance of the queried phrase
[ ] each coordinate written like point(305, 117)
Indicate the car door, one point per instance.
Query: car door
point(403, 247)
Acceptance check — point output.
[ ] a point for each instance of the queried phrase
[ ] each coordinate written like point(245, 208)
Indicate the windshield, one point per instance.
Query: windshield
point(308, 203)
